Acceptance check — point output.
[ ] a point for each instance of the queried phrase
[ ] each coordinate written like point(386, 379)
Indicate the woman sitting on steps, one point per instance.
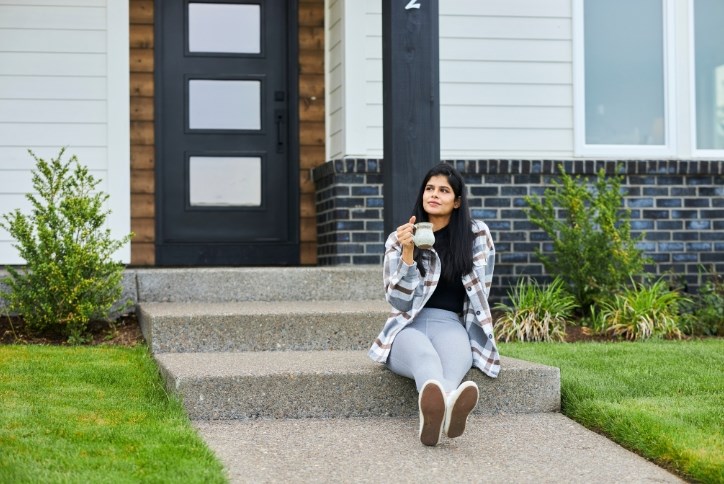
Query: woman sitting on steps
point(440, 323)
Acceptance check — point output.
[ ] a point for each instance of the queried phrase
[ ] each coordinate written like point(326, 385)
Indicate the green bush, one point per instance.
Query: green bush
point(703, 315)
point(593, 250)
point(641, 311)
point(69, 277)
point(538, 313)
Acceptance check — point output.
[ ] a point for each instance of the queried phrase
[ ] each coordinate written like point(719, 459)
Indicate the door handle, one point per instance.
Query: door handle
point(280, 121)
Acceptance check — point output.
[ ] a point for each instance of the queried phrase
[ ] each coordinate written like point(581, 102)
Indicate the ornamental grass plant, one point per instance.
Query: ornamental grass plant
point(537, 312)
point(641, 311)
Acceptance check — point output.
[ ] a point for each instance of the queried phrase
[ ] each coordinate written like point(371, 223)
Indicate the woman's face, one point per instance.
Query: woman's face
point(438, 198)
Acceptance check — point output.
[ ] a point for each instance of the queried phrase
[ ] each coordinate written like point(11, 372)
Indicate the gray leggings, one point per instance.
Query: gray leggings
point(434, 346)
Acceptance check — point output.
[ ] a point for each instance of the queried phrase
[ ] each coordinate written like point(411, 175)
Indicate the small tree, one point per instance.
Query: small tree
point(593, 250)
point(70, 277)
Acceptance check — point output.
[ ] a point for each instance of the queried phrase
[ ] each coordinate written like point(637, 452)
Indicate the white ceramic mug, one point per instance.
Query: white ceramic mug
point(424, 238)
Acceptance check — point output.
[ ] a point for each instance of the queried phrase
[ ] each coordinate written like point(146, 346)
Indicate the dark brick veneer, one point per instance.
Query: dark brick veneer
point(678, 204)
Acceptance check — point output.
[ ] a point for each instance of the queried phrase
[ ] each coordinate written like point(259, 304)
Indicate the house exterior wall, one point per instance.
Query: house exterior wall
point(63, 83)
point(510, 113)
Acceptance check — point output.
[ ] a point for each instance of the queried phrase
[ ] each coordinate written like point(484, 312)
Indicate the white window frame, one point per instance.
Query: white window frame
point(581, 148)
point(693, 133)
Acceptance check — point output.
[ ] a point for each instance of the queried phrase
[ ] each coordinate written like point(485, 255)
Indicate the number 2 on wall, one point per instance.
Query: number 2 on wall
point(412, 4)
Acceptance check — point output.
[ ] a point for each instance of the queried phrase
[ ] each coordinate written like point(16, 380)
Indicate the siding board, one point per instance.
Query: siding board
point(52, 111)
point(43, 64)
point(53, 134)
point(65, 41)
point(52, 17)
point(52, 87)
point(18, 158)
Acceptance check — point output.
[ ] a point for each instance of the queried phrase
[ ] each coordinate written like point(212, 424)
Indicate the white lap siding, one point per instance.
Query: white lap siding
point(505, 79)
point(64, 83)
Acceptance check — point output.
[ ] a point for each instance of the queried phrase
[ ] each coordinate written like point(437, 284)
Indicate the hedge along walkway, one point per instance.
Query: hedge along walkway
point(94, 414)
point(662, 399)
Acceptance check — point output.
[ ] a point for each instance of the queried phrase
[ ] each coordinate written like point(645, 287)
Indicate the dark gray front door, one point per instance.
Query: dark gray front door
point(226, 138)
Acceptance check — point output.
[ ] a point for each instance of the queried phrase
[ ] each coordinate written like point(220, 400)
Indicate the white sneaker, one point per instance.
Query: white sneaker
point(432, 412)
point(459, 405)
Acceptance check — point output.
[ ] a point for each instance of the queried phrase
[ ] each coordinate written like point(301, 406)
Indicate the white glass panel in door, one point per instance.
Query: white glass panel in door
point(224, 104)
point(624, 72)
point(709, 73)
point(224, 28)
point(216, 181)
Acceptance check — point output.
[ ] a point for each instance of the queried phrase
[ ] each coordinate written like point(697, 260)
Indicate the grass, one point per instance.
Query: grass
point(94, 414)
point(662, 399)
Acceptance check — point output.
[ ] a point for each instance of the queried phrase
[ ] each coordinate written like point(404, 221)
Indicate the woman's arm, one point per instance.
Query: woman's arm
point(401, 279)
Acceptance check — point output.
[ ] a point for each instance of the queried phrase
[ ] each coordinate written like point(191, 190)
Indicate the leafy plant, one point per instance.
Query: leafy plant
point(538, 313)
point(703, 315)
point(69, 277)
point(642, 311)
point(593, 250)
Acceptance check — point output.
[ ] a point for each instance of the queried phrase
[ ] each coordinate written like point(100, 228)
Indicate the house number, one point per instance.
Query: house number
point(412, 4)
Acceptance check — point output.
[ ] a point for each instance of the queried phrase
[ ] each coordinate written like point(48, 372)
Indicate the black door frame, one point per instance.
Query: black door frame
point(289, 253)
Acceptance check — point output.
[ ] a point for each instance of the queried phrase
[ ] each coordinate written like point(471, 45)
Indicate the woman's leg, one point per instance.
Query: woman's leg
point(413, 356)
point(435, 346)
point(452, 344)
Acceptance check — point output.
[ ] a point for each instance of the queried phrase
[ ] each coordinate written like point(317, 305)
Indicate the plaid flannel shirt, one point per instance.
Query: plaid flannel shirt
point(407, 292)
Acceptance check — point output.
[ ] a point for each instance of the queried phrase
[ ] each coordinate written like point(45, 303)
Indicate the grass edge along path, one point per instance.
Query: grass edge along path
point(94, 414)
point(663, 400)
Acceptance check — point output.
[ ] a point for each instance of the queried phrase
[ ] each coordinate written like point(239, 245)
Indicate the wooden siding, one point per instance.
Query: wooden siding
point(311, 119)
point(505, 79)
point(143, 181)
point(55, 90)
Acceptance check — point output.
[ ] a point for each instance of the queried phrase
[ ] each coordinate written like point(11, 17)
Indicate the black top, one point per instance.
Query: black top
point(448, 295)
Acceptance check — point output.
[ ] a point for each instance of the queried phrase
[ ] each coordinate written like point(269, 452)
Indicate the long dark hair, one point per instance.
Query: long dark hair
point(457, 260)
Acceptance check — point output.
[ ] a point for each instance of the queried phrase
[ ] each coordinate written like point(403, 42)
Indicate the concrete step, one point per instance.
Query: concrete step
point(324, 384)
point(261, 325)
point(232, 284)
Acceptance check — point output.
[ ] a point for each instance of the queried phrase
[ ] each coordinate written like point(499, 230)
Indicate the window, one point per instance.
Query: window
point(622, 78)
point(708, 78)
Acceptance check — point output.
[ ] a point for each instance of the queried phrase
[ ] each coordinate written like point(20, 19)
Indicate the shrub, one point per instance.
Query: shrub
point(593, 250)
point(538, 313)
point(69, 277)
point(641, 311)
point(703, 315)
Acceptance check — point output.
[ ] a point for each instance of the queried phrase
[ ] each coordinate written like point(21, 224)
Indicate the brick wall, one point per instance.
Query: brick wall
point(678, 204)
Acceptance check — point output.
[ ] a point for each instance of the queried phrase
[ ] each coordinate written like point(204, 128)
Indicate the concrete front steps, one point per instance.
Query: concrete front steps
point(292, 343)
point(271, 366)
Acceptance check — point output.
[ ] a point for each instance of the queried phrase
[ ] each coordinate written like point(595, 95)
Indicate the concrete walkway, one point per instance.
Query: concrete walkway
point(523, 448)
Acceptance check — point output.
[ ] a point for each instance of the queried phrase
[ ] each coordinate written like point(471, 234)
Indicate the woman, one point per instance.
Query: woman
point(440, 323)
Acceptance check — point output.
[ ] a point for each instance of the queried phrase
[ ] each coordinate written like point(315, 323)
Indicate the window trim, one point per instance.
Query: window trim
point(696, 152)
point(580, 147)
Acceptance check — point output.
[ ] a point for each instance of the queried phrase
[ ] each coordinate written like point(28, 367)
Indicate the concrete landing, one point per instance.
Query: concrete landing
point(530, 448)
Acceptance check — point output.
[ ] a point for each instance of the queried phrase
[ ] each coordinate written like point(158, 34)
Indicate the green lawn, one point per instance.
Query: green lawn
point(94, 414)
point(662, 399)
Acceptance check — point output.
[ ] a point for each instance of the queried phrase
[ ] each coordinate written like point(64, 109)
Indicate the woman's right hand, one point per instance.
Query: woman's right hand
point(406, 236)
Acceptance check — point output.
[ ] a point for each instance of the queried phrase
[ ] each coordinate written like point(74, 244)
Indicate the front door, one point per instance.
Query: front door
point(226, 149)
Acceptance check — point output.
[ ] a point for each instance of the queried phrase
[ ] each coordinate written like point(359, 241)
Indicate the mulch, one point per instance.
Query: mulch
point(124, 331)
